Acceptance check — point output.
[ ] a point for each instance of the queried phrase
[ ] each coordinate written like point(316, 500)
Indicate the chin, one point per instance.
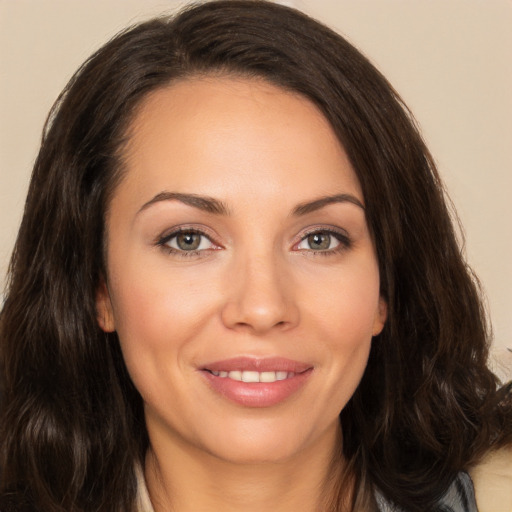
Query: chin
point(245, 453)
point(260, 444)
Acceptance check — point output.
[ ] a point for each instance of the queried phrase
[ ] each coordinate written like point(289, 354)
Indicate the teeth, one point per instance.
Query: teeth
point(250, 377)
point(268, 377)
point(253, 376)
point(235, 375)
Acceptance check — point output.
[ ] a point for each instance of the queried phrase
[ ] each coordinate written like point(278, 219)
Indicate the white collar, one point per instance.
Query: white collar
point(143, 500)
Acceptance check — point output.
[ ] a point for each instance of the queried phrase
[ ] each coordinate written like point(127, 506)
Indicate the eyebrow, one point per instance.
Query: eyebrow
point(205, 203)
point(317, 204)
point(211, 205)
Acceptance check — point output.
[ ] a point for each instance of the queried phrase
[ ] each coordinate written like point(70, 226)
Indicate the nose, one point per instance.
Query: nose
point(260, 296)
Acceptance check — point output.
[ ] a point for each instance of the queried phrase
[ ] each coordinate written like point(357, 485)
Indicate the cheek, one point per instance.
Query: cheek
point(348, 339)
point(347, 305)
point(157, 313)
point(147, 294)
point(344, 314)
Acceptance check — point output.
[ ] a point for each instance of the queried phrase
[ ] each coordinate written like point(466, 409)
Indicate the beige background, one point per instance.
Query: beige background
point(451, 60)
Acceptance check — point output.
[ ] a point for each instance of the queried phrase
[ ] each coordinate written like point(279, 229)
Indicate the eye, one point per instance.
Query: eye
point(319, 241)
point(323, 241)
point(187, 241)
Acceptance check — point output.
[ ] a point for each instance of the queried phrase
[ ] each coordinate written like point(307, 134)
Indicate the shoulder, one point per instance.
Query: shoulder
point(492, 479)
point(459, 497)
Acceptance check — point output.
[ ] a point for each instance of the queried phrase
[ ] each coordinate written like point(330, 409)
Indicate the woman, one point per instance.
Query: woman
point(236, 284)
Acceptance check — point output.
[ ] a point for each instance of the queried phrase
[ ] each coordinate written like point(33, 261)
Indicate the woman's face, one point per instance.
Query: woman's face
point(242, 278)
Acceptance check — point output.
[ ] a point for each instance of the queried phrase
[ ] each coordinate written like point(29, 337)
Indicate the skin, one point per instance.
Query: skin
point(255, 288)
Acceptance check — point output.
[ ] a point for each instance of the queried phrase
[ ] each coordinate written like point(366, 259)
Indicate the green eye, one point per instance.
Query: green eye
point(187, 241)
point(324, 241)
point(319, 241)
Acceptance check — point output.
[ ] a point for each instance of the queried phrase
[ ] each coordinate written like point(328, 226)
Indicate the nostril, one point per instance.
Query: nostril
point(253, 304)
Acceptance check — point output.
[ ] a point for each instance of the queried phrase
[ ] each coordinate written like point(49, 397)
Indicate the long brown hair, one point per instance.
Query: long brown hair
point(72, 425)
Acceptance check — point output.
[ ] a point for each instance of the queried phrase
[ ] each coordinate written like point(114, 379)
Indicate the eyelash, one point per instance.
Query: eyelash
point(341, 236)
point(164, 240)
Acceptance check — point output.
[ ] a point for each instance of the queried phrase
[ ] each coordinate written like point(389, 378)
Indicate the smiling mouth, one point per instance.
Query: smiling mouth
point(253, 376)
point(257, 382)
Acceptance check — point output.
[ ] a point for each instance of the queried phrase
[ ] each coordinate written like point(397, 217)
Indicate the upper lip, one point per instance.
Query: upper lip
point(255, 364)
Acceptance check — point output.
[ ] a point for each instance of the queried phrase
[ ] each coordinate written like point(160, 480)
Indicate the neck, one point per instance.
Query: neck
point(182, 479)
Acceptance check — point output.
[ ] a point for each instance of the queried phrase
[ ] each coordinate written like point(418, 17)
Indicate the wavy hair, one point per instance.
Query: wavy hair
point(72, 425)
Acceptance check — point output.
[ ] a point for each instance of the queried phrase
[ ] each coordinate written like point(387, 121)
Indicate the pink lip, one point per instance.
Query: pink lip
point(269, 364)
point(257, 394)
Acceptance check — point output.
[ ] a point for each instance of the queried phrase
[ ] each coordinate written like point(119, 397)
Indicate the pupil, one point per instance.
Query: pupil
point(188, 241)
point(319, 241)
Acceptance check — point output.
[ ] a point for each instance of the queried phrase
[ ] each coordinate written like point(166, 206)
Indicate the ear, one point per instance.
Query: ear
point(380, 316)
point(104, 311)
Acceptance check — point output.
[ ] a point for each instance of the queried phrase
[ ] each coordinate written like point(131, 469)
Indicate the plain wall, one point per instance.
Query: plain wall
point(451, 60)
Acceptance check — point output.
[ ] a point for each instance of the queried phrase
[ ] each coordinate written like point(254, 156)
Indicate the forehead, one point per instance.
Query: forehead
point(213, 135)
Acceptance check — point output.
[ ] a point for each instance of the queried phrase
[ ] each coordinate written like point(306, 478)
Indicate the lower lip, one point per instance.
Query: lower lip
point(257, 394)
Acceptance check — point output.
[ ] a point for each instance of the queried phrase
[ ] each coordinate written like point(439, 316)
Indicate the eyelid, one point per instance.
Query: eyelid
point(185, 228)
point(163, 239)
point(340, 234)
